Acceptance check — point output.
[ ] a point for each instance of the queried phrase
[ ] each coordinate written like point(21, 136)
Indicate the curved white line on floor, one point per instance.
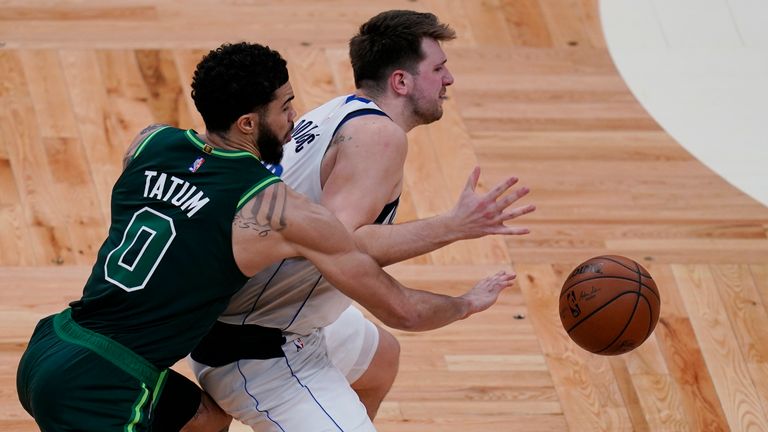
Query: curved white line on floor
point(700, 69)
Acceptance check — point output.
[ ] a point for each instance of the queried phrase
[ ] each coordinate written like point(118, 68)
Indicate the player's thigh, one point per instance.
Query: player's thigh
point(352, 341)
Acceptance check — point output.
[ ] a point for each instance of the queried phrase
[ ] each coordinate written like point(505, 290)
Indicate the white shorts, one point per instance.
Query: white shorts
point(303, 391)
point(352, 341)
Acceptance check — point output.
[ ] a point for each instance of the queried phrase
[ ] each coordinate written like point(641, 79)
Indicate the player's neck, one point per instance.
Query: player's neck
point(228, 141)
point(394, 108)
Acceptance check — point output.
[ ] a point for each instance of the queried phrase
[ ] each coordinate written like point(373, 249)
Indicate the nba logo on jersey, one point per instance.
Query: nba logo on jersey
point(196, 164)
point(299, 344)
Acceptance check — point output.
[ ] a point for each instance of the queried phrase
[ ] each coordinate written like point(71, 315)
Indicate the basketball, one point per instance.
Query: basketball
point(609, 305)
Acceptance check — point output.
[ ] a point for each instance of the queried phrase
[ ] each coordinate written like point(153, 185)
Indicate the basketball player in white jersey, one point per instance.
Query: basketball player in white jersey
point(283, 355)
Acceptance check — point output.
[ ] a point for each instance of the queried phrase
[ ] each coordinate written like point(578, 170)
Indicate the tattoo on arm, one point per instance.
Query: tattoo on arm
point(129, 153)
point(138, 140)
point(265, 215)
point(340, 138)
point(150, 128)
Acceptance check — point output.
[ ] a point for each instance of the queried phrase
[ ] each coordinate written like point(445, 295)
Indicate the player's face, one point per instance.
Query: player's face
point(276, 125)
point(430, 83)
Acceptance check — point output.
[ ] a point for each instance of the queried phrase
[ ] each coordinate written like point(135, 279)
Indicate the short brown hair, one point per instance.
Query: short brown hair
point(392, 40)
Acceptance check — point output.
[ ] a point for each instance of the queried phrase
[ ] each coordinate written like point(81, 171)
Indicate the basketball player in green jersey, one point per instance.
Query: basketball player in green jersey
point(193, 216)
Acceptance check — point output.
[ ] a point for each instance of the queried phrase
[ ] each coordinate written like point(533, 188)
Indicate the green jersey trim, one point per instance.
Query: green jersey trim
point(146, 140)
point(256, 189)
point(192, 136)
point(136, 409)
point(130, 362)
point(158, 388)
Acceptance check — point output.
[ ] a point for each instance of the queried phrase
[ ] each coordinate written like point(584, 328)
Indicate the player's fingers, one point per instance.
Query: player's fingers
point(513, 196)
point(504, 277)
point(505, 230)
point(497, 280)
point(505, 283)
point(474, 177)
point(517, 212)
point(500, 188)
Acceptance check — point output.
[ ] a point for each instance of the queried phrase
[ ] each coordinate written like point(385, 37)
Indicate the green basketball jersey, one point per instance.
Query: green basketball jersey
point(166, 270)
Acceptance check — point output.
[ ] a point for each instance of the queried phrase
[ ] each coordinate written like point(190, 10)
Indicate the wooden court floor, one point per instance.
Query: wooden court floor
point(536, 95)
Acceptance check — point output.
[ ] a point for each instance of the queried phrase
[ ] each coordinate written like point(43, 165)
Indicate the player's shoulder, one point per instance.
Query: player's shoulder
point(373, 129)
point(149, 130)
point(140, 138)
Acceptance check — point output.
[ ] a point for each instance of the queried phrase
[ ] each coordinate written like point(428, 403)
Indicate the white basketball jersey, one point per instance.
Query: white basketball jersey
point(292, 295)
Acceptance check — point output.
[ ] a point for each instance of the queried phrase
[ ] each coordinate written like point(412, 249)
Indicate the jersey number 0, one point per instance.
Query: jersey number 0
point(145, 241)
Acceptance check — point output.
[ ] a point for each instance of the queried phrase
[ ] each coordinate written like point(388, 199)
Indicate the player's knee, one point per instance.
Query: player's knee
point(382, 371)
point(209, 418)
point(391, 344)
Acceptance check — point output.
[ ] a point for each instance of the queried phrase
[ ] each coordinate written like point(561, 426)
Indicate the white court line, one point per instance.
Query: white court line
point(700, 69)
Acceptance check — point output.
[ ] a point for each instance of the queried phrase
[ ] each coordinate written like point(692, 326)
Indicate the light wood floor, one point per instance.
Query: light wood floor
point(536, 95)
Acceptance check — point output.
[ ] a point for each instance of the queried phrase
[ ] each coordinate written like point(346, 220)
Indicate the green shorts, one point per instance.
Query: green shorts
point(72, 379)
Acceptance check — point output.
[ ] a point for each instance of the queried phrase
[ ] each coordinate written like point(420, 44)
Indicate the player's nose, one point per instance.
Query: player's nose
point(448, 78)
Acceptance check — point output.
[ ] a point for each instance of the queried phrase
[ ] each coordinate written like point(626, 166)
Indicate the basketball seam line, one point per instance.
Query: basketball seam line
point(600, 308)
point(608, 258)
point(565, 291)
point(651, 324)
point(632, 315)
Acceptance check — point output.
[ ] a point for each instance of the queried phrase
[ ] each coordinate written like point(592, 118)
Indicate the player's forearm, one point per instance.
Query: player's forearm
point(397, 306)
point(415, 310)
point(389, 244)
point(431, 311)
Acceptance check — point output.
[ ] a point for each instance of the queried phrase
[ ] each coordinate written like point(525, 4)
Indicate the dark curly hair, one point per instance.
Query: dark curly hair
point(236, 79)
point(392, 40)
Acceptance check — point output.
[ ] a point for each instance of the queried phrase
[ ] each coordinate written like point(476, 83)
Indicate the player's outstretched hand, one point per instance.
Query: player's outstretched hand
point(476, 215)
point(485, 293)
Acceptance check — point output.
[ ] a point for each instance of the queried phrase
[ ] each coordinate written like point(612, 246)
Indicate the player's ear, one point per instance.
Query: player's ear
point(400, 81)
point(247, 123)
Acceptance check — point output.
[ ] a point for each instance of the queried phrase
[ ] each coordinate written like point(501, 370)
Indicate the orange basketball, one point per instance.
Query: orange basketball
point(609, 305)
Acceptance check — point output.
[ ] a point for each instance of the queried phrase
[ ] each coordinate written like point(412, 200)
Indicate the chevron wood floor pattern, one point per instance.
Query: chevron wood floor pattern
point(536, 95)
